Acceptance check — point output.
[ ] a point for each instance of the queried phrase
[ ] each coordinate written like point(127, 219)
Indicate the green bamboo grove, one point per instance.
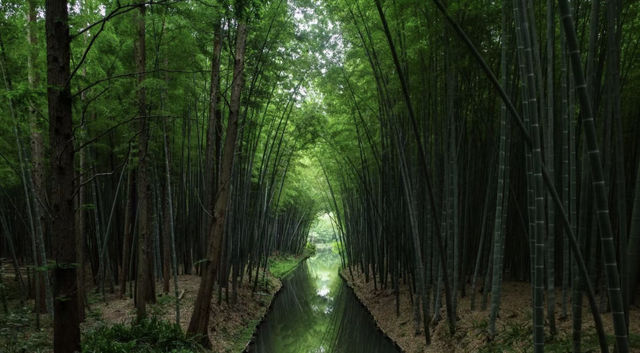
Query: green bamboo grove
point(505, 125)
point(459, 147)
point(183, 146)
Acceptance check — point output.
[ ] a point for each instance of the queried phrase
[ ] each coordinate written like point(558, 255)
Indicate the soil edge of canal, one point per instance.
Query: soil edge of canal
point(368, 311)
point(259, 320)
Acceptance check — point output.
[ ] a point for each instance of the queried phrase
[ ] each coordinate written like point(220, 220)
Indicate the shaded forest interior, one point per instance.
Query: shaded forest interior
point(448, 149)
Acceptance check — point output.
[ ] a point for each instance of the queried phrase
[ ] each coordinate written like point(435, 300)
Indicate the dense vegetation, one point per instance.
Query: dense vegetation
point(482, 155)
point(149, 335)
point(454, 145)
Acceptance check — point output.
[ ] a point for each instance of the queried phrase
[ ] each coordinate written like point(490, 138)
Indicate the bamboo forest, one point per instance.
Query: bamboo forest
point(319, 176)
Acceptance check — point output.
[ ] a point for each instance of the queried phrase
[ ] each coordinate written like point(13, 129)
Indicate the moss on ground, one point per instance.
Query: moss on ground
point(281, 265)
point(241, 338)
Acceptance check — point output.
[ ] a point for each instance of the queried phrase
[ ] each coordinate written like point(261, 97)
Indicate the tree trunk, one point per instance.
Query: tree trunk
point(66, 327)
point(37, 160)
point(538, 231)
point(145, 283)
point(129, 222)
point(200, 319)
point(166, 237)
point(214, 131)
point(171, 228)
point(633, 248)
point(79, 236)
point(604, 222)
point(501, 201)
point(549, 161)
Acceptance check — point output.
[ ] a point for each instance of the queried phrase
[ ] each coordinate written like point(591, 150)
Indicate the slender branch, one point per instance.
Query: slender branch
point(121, 9)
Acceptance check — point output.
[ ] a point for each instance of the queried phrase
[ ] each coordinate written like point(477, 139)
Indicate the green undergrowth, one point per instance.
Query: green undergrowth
point(18, 333)
point(281, 265)
point(242, 337)
point(148, 336)
point(517, 338)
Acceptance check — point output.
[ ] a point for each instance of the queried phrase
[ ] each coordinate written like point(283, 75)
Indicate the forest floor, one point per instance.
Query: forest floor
point(231, 325)
point(513, 325)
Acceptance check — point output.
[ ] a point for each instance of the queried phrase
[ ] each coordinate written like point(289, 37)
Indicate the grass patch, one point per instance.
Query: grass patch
point(480, 325)
point(634, 341)
point(18, 333)
point(242, 337)
point(162, 305)
point(281, 265)
point(149, 336)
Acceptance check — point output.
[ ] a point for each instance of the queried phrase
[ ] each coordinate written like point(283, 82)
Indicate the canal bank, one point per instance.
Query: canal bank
point(315, 311)
point(232, 323)
point(513, 325)
point(241, 336)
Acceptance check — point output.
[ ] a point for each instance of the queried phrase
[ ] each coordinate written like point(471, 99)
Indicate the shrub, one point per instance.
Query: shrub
point(147, 336)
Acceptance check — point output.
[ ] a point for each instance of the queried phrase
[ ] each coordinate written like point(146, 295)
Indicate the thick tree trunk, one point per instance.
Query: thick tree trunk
point(200, 319)
point(66, 328)
point(145, 283)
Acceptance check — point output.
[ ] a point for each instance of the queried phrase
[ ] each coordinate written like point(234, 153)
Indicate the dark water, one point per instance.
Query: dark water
point(315, 312)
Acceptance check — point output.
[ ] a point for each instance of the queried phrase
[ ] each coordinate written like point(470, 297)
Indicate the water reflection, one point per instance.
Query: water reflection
point(316, 313)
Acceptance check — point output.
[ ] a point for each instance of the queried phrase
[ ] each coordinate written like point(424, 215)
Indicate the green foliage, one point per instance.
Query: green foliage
point(148, 336)
point(322, 230)
point(281, 265)
point(337, 247)
point(310, 248)
point(18, 336)
point(242, 337)
point(480, 325)
point(515, 337)
point(162, 305)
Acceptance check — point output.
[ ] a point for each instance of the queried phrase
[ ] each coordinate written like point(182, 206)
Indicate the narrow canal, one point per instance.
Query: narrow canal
point(316, 312)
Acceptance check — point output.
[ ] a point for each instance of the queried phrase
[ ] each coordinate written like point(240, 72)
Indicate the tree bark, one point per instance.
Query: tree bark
point(166, 237)
point(66, 327)
point(200, 319)
point(604, 222)
point(129, 221)
point(145, 289)
point(169, 216)
point(79, 236)
point(37, 157)
point(214, 131)
point(633, 248)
